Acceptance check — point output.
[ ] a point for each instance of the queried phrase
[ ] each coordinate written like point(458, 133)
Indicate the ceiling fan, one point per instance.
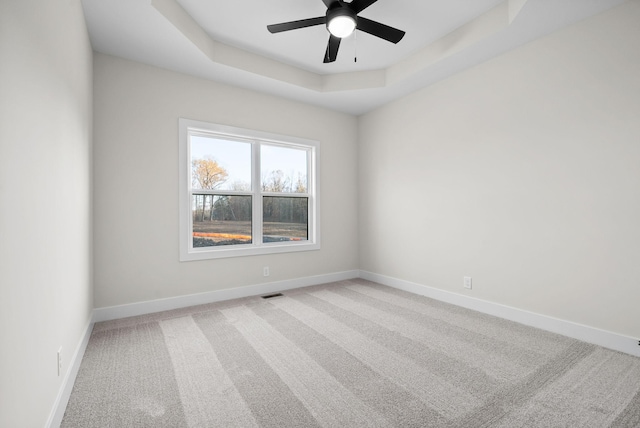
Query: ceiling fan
point(341, 20)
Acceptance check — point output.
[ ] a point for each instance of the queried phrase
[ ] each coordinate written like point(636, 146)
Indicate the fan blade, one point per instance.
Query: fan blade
point(328, 3)
point(359, 5)
point(332, 49)
point(377, 29)
point(294, 25)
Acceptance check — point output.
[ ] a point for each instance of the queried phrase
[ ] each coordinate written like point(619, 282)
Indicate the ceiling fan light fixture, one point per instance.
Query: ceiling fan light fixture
point(341, 21)
point(341, 25)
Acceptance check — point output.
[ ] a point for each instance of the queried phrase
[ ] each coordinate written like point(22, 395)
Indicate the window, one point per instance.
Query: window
point(245, 192)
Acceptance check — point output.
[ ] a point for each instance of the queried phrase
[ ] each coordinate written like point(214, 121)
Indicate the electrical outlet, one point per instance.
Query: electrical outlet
point(467, 282)
point(60, 361)
point(265, 271)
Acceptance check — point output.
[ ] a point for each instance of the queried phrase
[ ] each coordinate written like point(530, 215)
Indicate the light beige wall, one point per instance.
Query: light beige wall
point(45, 202)
point(136, 182)
point(523, 173)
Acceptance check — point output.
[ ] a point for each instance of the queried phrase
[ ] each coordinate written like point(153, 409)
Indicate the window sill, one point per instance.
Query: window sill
point(243, 251)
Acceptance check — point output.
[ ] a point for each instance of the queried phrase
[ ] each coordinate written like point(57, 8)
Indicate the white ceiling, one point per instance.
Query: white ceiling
point(227, 41)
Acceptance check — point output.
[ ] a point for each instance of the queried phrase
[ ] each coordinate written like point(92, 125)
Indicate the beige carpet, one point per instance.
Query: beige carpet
point(348, 354)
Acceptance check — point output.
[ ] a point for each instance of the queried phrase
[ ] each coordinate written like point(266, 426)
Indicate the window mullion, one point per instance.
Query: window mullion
point(219, 192)
point(286, 194)
point(189, 217)
point(311, 191)
point(256, 184)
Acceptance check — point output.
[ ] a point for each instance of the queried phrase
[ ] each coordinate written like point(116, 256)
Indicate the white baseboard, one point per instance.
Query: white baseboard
point(142, 308)
point(60, 405)
point(581, 332)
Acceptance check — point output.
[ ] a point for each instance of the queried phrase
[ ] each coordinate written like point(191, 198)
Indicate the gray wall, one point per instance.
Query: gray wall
point(45, 202)
point(136, 182)
point(523, 173)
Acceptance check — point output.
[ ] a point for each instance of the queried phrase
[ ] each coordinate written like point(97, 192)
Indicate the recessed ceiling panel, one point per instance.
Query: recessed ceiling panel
point(243, 24)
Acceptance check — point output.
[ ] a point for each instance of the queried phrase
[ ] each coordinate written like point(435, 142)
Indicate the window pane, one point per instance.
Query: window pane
point(221, 220)
point(283, 169)
point(285, 219)
point(220, 164)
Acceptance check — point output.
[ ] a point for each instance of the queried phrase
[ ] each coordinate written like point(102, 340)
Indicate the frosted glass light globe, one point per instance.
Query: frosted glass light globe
point(342, 26)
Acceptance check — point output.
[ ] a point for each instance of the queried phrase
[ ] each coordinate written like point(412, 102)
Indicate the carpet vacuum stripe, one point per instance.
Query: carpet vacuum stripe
point(473, 380)
point(399, 407)
point(531, 340)
point(126, 380)
point(507, 370)
point(489, 341)
point(202, 379)
point(630, 416)
point(593, 391)
point(273, 403)
point(512, 398)
point(320, 392)
point(443, 397)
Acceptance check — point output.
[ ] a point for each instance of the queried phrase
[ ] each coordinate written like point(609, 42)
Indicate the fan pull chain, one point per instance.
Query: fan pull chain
point(355, 50)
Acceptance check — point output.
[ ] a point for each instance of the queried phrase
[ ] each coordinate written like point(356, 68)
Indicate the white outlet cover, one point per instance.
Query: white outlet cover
point(467, 282)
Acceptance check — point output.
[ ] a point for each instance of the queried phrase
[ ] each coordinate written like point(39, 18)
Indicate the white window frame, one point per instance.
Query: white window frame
point(188, 127)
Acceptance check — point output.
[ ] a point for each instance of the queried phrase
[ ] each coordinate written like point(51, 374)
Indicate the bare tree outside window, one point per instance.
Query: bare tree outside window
point(218, 219)
point(207, 174)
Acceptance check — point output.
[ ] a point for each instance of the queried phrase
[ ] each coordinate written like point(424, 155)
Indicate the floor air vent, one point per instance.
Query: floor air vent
point(271, 296)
